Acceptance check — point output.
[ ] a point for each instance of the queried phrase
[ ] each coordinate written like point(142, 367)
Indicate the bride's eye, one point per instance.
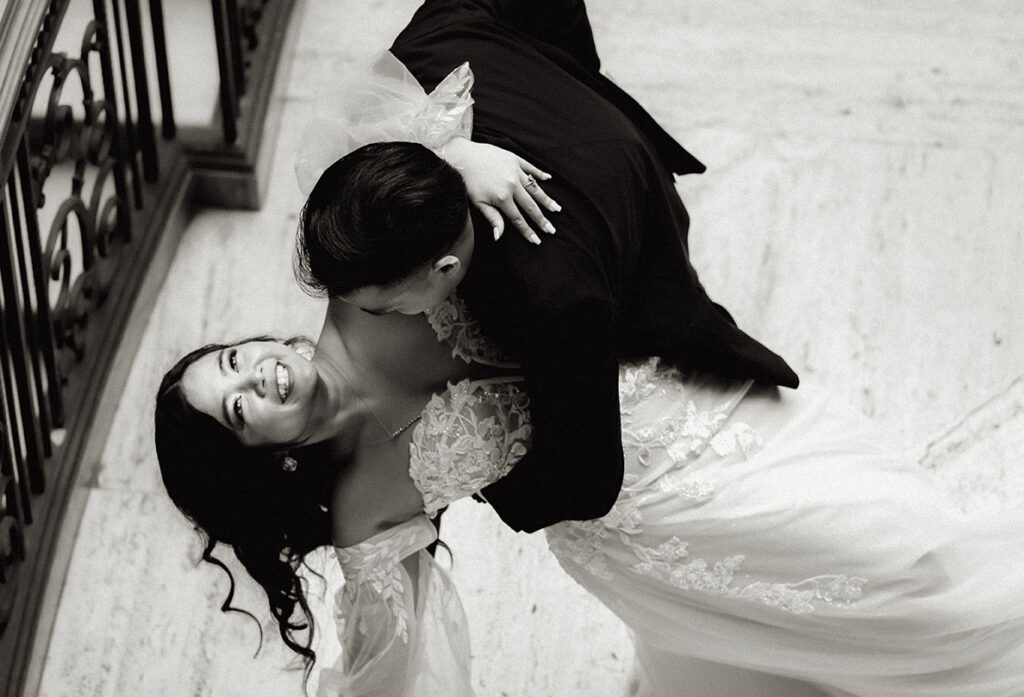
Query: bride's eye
point(237, 407)
point(233, 361)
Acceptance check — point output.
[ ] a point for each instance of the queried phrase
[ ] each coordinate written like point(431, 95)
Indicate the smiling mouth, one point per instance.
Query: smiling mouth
point(284, 383)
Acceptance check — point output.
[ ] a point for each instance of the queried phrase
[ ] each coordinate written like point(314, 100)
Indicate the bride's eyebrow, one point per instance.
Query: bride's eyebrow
point(376, 313)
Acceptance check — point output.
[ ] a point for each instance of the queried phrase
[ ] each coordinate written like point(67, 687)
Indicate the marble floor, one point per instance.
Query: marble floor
point(862, 214)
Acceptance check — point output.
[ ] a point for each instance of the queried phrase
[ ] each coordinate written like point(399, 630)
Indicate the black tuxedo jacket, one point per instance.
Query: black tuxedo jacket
point(615, 282)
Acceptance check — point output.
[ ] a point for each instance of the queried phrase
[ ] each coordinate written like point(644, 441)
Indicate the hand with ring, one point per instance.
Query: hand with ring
point(500, 183)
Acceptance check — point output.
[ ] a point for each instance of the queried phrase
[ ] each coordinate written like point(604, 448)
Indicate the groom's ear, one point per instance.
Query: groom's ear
point(447, 264)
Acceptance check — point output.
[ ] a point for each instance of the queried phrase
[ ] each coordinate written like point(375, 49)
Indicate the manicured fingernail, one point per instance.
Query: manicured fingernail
point(534, 238)
point(497, 233)
point(549, 228)
point(545, 175)
point(555, 207)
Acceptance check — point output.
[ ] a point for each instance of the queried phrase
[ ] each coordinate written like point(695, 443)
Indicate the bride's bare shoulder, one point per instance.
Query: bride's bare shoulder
point(372, 493)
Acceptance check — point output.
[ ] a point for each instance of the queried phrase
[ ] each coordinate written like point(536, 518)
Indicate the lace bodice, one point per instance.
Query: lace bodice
point(469, 437)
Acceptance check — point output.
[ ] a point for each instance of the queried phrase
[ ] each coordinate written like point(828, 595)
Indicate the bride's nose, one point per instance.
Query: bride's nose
point(256, 380)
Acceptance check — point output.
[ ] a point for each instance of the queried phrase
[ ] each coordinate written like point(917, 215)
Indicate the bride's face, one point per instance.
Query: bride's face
point(262, 391)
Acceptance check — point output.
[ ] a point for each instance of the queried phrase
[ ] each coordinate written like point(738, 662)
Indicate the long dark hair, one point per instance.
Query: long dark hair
point(375, 216)
point(242, 497)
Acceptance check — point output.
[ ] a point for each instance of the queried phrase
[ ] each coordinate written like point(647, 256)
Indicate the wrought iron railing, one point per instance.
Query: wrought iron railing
point(93, 171)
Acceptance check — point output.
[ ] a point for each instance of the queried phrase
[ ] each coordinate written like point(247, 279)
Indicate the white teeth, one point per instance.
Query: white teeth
point(282, 381)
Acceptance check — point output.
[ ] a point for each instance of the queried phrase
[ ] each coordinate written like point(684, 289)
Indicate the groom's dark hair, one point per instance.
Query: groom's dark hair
point(375, 216)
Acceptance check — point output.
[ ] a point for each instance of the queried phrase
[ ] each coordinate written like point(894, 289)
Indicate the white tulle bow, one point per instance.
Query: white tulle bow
point(382, 102)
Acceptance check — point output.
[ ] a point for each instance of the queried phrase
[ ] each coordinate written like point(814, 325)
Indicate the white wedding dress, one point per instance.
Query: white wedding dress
point(771, 533)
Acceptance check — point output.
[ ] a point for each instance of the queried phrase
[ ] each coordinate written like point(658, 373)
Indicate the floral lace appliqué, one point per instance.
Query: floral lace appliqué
point(453, 323)
point(681, 484)
point(373, 574)
point(683, 429)
point(666, 427)
point(670, 562)
point(585, 544)
point(468, 438)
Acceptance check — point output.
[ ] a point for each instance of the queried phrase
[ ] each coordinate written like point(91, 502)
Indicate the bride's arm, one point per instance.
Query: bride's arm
point(499, 183)
point(400, 623)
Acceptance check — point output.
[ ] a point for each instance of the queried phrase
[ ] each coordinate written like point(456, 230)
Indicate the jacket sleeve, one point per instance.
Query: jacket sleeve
point(563, 24)
point(575, 465)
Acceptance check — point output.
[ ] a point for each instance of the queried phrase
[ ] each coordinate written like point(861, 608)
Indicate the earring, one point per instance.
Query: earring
point(289, 464)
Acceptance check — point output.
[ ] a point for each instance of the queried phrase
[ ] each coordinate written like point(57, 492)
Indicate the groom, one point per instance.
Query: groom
point(614, 283)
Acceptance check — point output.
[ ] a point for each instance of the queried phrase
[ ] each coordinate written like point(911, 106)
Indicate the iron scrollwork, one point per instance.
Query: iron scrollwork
point(100, 215)
point(89, 187)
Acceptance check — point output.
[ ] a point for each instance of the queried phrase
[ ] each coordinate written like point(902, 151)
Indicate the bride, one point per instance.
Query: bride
point(766, 531)
point(761, 530)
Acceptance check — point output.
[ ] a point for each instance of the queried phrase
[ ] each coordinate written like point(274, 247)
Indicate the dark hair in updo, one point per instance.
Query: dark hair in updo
point(375, 216)
point(241, 496)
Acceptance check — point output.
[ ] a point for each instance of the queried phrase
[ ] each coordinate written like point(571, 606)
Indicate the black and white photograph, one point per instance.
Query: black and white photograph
point(512, 348)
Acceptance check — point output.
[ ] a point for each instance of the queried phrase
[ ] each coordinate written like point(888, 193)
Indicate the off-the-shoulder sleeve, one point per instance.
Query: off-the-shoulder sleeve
point(400, 622)
point(381, 102)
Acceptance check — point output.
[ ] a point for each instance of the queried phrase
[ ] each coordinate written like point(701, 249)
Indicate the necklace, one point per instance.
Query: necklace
point(398, 432)
point(391, 434)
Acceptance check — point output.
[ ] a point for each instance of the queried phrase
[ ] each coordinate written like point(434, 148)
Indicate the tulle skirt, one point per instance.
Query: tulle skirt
point(775, 533)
